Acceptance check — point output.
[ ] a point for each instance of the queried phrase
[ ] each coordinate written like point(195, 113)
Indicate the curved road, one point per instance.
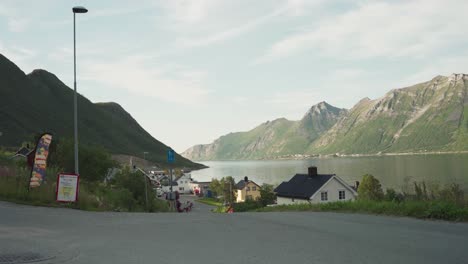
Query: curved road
point(71, 236)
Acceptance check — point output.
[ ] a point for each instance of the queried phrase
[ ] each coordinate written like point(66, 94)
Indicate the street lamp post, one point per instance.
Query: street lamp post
point(76, 9)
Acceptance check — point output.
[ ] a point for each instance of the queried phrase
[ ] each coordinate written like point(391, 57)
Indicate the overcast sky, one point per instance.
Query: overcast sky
point(191, 71)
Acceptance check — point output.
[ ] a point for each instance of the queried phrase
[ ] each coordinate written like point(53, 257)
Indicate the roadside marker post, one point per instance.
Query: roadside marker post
point(170, 160)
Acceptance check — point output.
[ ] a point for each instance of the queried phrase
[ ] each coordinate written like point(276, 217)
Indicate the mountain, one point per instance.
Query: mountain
point(275, 138)
point(430, 116)
point(39, 102)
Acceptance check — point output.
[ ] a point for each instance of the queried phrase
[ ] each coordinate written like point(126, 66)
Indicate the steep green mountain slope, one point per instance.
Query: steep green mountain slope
point(271, 139)
point(430, 116)
point(39, 101)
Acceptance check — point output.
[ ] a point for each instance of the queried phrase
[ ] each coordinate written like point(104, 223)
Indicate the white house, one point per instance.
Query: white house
point(314, 188)
point(184, 183)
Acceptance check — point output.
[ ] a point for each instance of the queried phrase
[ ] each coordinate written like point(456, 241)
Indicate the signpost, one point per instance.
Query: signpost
point(170, 156)
point(67, 187)
point(170, 160)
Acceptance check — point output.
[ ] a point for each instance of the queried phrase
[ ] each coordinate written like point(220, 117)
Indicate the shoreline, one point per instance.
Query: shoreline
point(338, 155)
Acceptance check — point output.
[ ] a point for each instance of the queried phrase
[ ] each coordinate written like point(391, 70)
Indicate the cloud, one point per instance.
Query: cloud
point(379, 29)
point(231, 32)
point(293, 103)
point(217, 21)
point(443, 66)
point(23, 57)
point(16, 23)
point(138, 76)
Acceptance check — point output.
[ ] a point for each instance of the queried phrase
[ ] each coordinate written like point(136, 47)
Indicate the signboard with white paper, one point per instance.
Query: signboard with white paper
point(67, 187)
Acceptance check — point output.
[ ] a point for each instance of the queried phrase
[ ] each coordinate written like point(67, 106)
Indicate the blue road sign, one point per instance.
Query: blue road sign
point(170, 156)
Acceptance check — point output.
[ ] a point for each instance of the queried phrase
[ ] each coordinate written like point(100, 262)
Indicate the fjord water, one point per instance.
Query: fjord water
point(392, 171)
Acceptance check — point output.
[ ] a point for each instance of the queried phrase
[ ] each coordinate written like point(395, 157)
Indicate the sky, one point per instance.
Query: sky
point(190, 71)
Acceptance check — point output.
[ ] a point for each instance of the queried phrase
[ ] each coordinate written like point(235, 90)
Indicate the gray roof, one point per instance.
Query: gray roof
point(23, 152)
point(241, 184)
point(302, 185)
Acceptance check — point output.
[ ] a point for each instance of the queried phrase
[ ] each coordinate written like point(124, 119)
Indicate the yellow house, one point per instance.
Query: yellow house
point(247, 189)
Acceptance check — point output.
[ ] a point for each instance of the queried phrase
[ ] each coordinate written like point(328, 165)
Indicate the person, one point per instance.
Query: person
point(178, 206)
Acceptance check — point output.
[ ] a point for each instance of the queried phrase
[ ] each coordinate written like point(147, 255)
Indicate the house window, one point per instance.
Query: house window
point(181, 188)
point(249, 197)
point(254, 188)
point(341, 195)
point(247, 189)
point(324, 196)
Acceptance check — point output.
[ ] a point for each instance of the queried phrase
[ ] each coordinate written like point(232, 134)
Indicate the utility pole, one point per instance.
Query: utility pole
point(230, 192)
point(146, 185)
point(79, 10)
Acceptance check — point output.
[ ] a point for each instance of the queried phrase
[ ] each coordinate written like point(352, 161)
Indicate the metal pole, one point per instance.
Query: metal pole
point(146, 191)
point(75, 104)
point(171, 178)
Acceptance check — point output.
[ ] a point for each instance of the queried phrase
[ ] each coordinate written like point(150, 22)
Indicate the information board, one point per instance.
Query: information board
point(67, 187)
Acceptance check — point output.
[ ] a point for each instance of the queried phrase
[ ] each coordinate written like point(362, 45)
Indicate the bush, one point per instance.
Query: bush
point(94, 161)
point(121, 200)
point(393, 196)
point(247, 206)
point(452, 193)
point(267, 196)
point(370, 189)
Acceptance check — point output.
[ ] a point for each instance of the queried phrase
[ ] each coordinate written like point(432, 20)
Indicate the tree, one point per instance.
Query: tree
point(228, 189)
point(267, 196)
point(94, 161)
point(224, 187)
point(215, 187)
point(370, 189)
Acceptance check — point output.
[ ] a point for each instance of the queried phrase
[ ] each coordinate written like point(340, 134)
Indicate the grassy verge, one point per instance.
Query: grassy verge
point(418, 209)
point(219, 207)
point(93, 196)
point(210, 201)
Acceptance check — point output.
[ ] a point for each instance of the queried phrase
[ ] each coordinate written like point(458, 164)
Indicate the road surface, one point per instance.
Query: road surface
point(72, 236)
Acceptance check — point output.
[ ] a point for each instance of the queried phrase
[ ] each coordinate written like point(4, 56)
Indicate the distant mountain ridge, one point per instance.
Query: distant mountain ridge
point(430, 116)
point(39, 102)
point(272, 138)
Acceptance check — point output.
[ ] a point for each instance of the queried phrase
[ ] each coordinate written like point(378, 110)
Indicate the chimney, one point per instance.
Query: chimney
point(246, 179)
point(312, 171)
point(357, 185)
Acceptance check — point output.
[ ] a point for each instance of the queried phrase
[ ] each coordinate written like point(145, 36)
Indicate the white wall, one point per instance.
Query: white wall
point(184, 182)
point(289, 201)
point(333, 187)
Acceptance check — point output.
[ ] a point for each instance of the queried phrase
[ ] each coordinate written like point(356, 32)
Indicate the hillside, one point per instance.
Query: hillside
point(430, 116)
point(39, 101)
point(275, 138)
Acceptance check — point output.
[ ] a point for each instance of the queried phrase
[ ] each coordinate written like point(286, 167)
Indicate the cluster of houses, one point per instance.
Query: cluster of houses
point(301, 188)
point(183, 184)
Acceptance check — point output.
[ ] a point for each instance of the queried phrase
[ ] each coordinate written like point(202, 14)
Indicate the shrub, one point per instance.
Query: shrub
point(393, 196)
point(267, 196)
point(370, 189)
point(452, 193)
point(247, 206)
point(94, 161)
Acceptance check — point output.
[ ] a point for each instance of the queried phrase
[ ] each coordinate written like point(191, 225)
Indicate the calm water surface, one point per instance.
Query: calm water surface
point(392, 171)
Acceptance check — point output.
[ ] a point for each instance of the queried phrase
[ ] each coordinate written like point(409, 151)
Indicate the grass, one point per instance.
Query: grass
point(418, 209)
point(219, 207)
point(93, 196)
point(210, 201)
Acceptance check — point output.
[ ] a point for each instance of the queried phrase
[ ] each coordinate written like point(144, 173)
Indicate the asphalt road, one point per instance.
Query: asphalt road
point(72, 236)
